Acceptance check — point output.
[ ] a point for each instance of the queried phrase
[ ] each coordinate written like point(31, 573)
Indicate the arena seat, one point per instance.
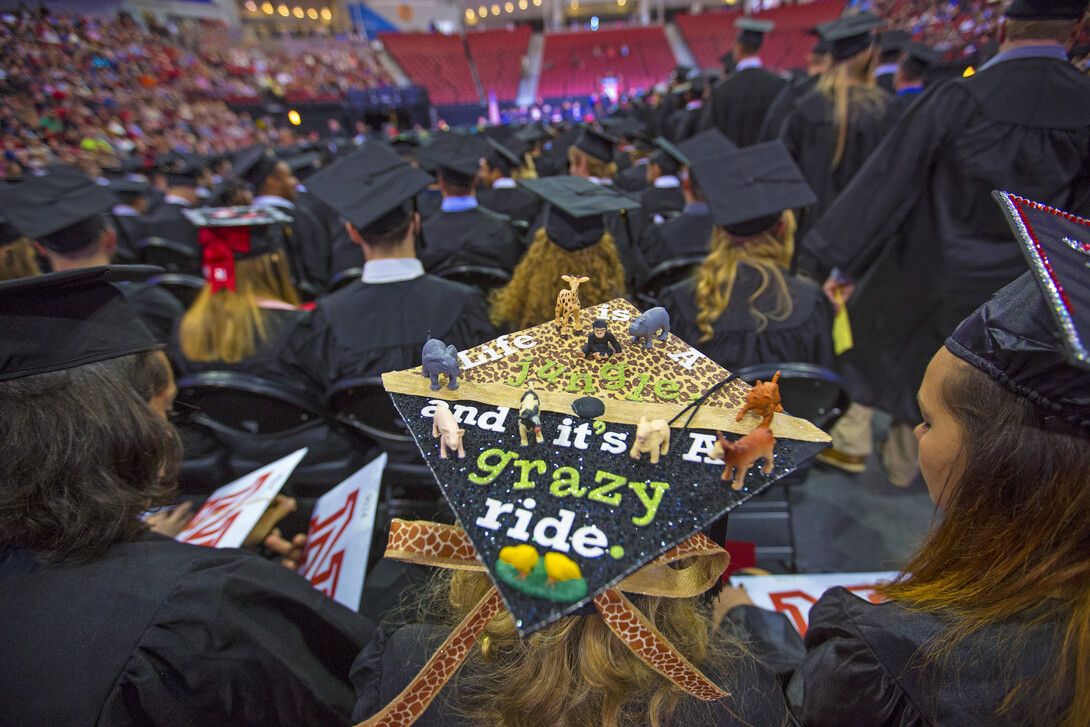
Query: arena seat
point(498, 55)
point(434, 61)
point(574, 64)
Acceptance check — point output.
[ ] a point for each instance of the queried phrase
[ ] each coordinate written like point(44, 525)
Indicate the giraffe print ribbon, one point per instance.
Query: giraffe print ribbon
point(447, 546)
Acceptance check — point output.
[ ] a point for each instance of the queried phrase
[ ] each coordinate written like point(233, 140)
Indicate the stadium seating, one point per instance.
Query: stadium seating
point(575, 63)
point(436, 62)
point(498, 56)
point(710, 34)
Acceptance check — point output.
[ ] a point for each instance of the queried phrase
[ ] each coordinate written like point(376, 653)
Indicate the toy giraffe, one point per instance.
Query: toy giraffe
point(567, 305)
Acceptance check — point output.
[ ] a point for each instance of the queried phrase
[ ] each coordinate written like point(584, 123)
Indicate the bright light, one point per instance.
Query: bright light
point(326, 15)
point(594, 22)
point(251, 6)
point(970, 71)
point(298, 12)
point(482, 11)
point(523, 4)
point(470, 15)
point(622, 3)
point(283, 10)
point(537, 3)
point(293, 117)
point(312, 14)
point(574, 4)
point(268, 8)
point(509, 7)
point(495, 9)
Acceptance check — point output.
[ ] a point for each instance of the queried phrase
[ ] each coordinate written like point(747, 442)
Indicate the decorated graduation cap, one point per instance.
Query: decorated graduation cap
point(574, 218)
point(669, 158)
point(918, 59)
point(1033, 336)
point(1046, 9)
point(373, 188)
point(595, 143)
point(752, 32)
point(227, 234)
point(747, 190)
point(62, 210)
point(502, 158)
point(849, 36)
point(57, 321)
point(254, 164)
point(571, 523)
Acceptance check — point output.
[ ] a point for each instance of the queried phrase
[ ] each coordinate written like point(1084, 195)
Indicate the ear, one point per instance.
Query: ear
point(584, 280)
point(461, 431)
point(353, 233)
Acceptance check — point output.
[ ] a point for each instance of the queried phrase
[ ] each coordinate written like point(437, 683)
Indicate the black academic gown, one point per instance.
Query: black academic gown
point(469, 237)
point(688, 125)
point(159, 632)
point(934, 245)
point(656, 202)
point(428, 203)
point(898, 105)
point(804, 336)
point(810, 135)
point(343, 253)
point(368, 329)
point(158, 309)
point(309, 250)
point(884, 81)
point(130, 231)
point(633, 179)
point(867, 664)
point(518, 204)
point(686, 235)
point(391, 661)
point(738, 105)
point(168, 222)
point(783, 104)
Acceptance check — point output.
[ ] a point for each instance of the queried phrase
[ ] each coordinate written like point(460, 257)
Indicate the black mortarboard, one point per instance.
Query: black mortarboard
point(822, 46)
point(849, 36)
point(595, 143)
point(625, 127)
point(576, 205)
point(1046, 9)
point(1033, 336)
point(501, 158)
point(63, 210)
point(680, 74)
point(918, 58)
point(254, 164)
point(532, 133)
point(709, 143)
point(748, 190)
point(304, 164)
point(181, 170)
point(893, 41)
point(752, 32)
point(457, 157)
point(62, 320)
point(227, 234)
point(669, 158)
point(407, 143)
point(373, 188)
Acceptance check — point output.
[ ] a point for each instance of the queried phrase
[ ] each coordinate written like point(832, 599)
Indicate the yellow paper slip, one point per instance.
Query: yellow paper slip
point(842, 328)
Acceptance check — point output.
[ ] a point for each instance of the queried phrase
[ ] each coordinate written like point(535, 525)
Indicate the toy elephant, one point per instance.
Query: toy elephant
point(437, 359)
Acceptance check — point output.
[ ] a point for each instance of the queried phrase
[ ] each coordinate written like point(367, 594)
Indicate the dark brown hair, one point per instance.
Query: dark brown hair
point(84, 456)
point(1015, 541)
point(1020, 30)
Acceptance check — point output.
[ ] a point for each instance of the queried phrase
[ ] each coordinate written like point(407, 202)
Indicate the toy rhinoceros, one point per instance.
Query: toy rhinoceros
point(439, 359)
point(647, 326)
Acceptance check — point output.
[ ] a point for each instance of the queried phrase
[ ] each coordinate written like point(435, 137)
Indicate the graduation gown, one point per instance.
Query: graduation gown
point(341, 248)
point(738, 105)
point(367, 329)
point(469, 237)
point(686, 235)
point(783, 104)
point(934, 245)
point(688, 124)
point(810, 135)
point(309, 250)
point(159, 632)
point(158, 309)
point(898, 105)
point(168, 222)
point(661, 202)
point(391, 661)
point(518, 204)
point(633, 179)
point(130, 231)
point(804, 336)
point(428, 203)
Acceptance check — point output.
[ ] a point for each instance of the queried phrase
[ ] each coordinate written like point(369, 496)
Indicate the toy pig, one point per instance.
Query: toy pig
point(444, 427)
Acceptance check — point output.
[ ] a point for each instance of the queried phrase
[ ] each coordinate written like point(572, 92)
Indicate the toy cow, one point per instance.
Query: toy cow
point(530, 416)
point(647, 326)
point(739, 456)
point(567, 305)
point(444, 427)
point(435, 359)
point(652, 437)
point(763, 398)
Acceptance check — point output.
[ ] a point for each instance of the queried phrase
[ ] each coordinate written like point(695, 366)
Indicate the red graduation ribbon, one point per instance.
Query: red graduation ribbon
point(218, 248)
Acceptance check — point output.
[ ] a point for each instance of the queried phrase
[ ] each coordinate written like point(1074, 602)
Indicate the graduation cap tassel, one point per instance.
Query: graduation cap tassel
point(218, 248)
point(696, 404)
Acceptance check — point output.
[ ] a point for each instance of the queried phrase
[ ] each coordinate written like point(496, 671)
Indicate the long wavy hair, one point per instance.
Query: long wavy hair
point(84, 456)
point(574, 672)
point(769, 253)
point(1014, 546)
point(228, 325)
point(17, 260)
point(849, 85)
point(530, 298)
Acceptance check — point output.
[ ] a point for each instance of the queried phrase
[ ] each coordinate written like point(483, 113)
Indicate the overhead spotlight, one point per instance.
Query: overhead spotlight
point(537, 3)
point(470, 14)
point(495, 9)
point(509, 7)
point(298, 12)
point(293, 117)
point(523, 4)
point(482, 11)
point(326, 15)
point(268, 8)
point(283, 10)
point(251, 6)
point(574, 4)
point(622, 3)
point(312, 14)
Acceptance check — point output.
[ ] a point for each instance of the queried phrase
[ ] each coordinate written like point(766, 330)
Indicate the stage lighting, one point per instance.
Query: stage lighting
point(293, 117)
point(495, 9)
point(537, 3)
point(622, 3)
point(574, 4)
point(326, 15)
point(509, 7)
point(523, 4)
point(482, 11)
point(268, 8)
point(298, 12)
point(312, 14)
point(251, 6)
point(283, 10)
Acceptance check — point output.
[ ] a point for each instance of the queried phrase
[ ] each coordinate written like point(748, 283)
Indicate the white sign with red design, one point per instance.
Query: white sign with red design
point(232, 511)
point(339, 537)
point(793, 595)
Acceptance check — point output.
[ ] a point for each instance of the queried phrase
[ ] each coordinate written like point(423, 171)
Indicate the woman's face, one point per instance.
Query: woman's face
point(939, 435)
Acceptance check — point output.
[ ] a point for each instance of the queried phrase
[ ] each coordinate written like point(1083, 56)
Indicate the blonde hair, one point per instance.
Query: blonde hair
point(768, 252)
point(17, 260)
point(849, 83)
point(595, 167)
point(227, 326)
point(574, 672)
point(530, 298)
point(527, 170)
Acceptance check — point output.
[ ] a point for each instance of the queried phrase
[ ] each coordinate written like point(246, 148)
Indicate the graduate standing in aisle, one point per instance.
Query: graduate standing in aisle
point(738, 105)
point(909, 78)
